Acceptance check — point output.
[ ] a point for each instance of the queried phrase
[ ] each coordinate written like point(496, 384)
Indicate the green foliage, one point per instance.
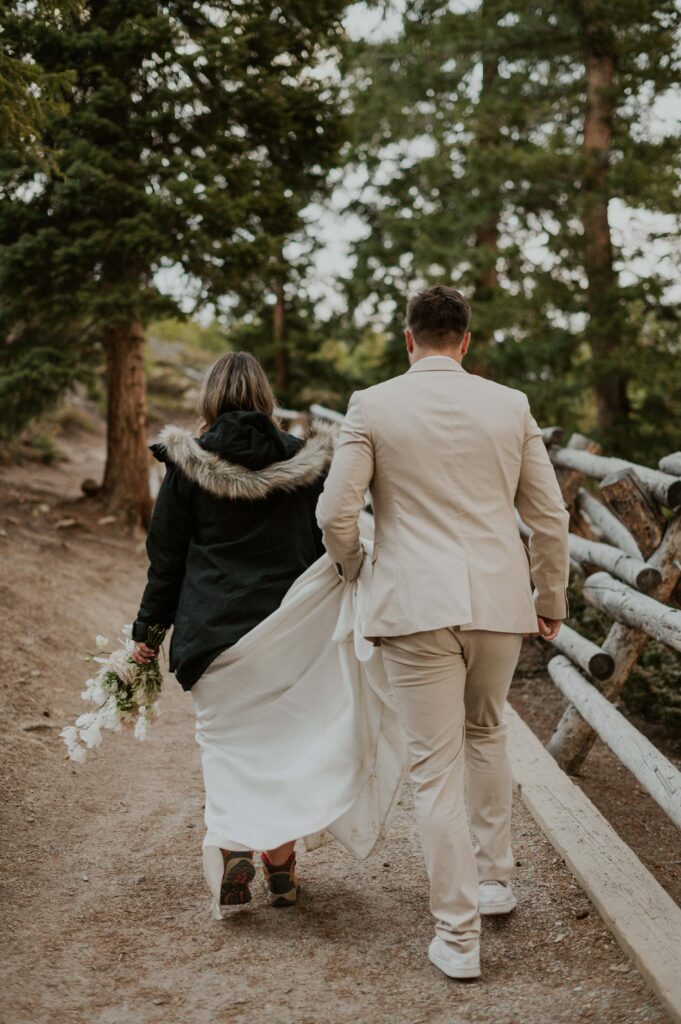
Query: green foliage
point(30, 96)
point(468, 131)
point(194, 136)
point(33, 380)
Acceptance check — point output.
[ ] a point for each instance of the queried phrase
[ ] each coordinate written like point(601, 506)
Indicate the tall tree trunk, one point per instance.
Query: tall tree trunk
point(126, 477)
point(610, 385)
point(487, 282)
point(486, 243)
point(282, 366)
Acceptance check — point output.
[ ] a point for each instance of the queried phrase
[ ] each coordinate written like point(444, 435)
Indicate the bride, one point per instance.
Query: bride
point(296, 734)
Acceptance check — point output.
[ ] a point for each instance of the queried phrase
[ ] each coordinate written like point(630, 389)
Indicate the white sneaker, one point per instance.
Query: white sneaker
point(496, 898)
point(453, 963)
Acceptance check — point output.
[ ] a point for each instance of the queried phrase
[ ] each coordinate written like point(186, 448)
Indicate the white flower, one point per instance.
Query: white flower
point(120, 664)
point(97, 693)
point(108, 715)
point(92, 736)
point(78, 754)
point(70, 736)
point(141, 726)
point(118, 678)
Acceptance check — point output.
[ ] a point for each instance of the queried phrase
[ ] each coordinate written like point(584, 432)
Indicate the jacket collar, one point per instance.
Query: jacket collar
point(225, 479)
point(436, 363)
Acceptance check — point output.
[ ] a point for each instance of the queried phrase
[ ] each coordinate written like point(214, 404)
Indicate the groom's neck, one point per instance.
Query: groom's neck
point(423, 353)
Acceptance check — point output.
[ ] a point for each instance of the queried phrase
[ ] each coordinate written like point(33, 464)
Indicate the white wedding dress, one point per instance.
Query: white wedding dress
point(298, 735)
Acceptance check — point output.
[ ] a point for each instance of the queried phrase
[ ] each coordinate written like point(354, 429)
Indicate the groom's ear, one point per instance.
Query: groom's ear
point(409, 338)
point(465, 343)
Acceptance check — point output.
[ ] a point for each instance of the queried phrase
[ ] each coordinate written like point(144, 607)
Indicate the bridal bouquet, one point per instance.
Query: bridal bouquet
point(124, 693)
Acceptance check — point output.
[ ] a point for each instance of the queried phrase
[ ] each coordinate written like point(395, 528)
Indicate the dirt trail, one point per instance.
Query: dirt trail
point(106, 916)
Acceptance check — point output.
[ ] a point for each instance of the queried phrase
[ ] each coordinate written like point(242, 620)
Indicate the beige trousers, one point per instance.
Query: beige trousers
point(450, 686)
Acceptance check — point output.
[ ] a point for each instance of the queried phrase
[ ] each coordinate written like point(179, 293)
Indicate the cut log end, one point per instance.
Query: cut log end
point(648, 580)
point(601, 665)
point(674, 494)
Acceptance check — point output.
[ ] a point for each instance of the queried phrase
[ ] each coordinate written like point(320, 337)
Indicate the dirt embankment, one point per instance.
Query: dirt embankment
point(105, 910)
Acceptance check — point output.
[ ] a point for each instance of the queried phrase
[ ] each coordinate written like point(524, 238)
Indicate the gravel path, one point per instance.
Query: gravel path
point(106, 915)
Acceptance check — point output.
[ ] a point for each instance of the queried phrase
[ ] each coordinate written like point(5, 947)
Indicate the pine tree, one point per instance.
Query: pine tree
point(29, 95)
point(448, 130)
point(494, 140)
point(188, 129)
point(624, 65)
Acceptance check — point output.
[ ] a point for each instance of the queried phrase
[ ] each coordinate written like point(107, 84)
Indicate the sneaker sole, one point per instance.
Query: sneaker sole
point(454, 972)
point(234, 891)
point(499, 908)
point(284, 899)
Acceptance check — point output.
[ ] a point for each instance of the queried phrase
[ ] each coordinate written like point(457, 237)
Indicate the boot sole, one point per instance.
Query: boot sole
point(284, 899)
point(234, 891)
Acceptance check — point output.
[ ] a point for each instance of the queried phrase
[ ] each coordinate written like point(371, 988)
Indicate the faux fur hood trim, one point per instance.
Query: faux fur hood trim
point(225, 479)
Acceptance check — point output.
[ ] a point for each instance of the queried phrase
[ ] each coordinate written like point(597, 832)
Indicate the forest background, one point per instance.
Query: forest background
point(280, 178)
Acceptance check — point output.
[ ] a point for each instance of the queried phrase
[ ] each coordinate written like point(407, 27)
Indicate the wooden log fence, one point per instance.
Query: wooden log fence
point(588, 655)
point(641, 915)
point(662, 486)
point(637, 601)
point(606, 524)
point(671, 464)
point(627, 606)
point(628, 499)
point(632, 570)
point(627, 549)
point(658, 776)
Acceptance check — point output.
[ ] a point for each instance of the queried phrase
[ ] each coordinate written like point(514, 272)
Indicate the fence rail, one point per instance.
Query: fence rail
point(626, 541)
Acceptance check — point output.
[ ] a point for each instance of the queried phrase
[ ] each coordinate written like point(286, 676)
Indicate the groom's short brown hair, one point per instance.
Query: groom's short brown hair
point(438, 317)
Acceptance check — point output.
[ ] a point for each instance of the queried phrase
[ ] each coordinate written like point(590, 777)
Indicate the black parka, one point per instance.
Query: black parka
point(233, 527)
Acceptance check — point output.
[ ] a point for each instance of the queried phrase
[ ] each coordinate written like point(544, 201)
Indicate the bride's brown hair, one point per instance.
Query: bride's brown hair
point(235, 382)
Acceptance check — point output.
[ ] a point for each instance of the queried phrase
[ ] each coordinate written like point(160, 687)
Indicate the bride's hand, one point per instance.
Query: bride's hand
point(143, 654)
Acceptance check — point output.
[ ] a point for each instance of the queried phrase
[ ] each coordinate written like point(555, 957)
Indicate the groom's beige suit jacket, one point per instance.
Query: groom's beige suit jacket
point(447, 456)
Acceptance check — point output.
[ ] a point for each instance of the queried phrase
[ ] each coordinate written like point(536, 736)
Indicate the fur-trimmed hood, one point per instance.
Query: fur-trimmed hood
point(223, 478)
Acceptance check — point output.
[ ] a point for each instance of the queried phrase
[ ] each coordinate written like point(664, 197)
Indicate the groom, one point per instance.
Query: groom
point(447, 456)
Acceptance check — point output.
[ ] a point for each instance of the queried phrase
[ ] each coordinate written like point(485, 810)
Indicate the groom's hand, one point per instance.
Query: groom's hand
point(548, 628)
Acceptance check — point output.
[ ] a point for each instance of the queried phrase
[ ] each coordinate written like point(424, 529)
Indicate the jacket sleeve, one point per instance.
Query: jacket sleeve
point(167, 543)
point(342, 499)
point(541, 507)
